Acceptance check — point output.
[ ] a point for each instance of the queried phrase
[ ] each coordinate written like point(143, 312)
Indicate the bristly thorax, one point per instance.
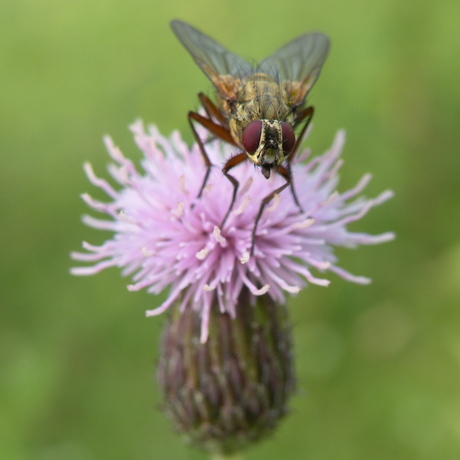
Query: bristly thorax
point(259, 98)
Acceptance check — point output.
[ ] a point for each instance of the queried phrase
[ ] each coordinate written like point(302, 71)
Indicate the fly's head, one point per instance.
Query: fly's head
point(268, 143)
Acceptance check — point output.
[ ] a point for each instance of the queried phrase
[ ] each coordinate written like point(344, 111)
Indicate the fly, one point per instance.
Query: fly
point(258, 108)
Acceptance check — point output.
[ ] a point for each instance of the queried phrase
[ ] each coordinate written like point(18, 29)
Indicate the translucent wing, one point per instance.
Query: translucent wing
point(222, 67)
point(297, 65)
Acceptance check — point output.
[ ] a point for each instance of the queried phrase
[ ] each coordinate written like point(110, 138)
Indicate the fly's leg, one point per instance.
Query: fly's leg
point(212, 111)
point(286, 174)
point(217, 130)
point(304, 117)
point(231, 163)
point(223, 133)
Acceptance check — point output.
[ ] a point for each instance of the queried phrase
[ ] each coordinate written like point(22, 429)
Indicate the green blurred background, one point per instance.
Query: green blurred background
point(378, 366)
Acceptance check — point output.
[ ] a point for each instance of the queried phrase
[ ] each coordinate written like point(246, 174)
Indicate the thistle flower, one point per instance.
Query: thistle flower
point(165, 237)
point(225, 366)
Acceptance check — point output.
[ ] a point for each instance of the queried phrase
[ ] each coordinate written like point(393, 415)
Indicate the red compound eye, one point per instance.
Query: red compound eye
point(251, 136)
point(288, 138)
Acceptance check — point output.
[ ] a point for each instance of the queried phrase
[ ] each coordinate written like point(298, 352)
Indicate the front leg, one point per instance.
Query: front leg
point(286, 174)
point(231, 163)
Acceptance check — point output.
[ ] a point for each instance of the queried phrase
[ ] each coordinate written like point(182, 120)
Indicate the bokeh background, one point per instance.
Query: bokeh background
point(378, 366)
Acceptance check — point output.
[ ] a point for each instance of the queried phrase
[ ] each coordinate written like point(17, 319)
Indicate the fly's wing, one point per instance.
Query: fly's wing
point(222, 67)
point(297, 65)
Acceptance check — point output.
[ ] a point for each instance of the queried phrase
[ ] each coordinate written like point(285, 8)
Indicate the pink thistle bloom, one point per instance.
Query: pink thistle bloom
point(164, 236)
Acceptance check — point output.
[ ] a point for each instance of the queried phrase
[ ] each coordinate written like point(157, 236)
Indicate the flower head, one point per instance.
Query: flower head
point(164, 236)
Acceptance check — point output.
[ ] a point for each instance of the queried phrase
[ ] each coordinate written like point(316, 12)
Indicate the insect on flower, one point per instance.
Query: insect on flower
point(257, 108)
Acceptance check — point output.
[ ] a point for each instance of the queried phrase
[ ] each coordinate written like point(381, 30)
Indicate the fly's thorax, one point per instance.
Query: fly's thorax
point(260, 97)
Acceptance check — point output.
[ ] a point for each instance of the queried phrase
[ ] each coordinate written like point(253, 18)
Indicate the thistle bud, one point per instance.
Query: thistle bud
point(233, 389)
